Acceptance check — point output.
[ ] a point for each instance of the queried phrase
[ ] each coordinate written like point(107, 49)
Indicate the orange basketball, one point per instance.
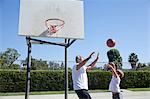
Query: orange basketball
point(111, 43)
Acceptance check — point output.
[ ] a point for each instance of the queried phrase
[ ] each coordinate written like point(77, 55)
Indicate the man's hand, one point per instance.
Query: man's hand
point(93, 63)
point(91, 54)
point(83, 62)
point(97, 56)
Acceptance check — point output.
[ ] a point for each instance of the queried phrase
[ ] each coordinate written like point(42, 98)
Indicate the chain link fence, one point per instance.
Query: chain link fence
point(70, 64)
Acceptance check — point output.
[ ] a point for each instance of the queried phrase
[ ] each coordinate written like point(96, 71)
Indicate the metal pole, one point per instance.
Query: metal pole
point(66, 73)
point(28, 69)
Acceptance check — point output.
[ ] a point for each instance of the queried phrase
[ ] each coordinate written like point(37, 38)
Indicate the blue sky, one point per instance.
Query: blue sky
point(126, 21)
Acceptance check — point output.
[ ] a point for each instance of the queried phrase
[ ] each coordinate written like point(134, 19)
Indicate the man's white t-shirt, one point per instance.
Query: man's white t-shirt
point(80, 80)
point(114, 84)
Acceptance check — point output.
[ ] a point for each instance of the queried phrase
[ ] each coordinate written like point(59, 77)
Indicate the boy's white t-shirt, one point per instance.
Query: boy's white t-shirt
point(80, 80)
point(114, 84)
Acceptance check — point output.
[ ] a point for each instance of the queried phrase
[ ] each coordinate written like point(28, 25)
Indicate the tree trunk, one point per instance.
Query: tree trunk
point(133, 66)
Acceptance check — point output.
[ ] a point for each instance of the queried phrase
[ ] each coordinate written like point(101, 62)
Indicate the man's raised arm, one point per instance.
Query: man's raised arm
point(93, 63)
point(84, 61)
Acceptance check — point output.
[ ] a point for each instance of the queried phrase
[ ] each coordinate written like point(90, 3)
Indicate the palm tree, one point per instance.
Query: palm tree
point(133, 59)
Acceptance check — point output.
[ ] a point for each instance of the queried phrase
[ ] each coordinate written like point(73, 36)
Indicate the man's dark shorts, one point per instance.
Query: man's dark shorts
point(83, 94)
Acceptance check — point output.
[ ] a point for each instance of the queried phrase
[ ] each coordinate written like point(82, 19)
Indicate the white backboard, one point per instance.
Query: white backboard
point(52, 18)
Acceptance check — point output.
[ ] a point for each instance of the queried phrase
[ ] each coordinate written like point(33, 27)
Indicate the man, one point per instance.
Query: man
point(79, 76)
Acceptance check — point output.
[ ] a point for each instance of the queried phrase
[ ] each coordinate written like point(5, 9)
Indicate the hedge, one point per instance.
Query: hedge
point(136, 79)
point(48, 80)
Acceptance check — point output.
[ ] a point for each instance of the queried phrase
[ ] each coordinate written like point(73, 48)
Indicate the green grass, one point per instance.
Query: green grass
point(31, 93)
point(11, 94)
point(139, 89)
point(45, 92)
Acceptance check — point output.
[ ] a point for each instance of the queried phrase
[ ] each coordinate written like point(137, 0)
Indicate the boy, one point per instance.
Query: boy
point(114, 85)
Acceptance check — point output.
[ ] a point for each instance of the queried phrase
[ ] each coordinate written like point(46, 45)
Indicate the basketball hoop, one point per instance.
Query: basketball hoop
point(54, 24)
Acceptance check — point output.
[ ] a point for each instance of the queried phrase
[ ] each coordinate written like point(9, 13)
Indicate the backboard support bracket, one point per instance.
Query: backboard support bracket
point(30, 41)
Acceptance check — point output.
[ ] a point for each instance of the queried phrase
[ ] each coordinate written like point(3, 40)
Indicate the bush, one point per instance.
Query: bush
point(44, 80)
point(13, 66)
point(136, 79)
point(99, 79)
point(12, 81)
point(48, 80)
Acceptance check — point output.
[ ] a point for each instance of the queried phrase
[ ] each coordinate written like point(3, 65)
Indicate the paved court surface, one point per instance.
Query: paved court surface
point(98, 95)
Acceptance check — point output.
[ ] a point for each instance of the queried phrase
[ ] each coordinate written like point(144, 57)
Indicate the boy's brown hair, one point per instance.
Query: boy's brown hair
point(120, 72)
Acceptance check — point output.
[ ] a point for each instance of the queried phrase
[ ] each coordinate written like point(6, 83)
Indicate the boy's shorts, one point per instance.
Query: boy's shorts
point(117, 96)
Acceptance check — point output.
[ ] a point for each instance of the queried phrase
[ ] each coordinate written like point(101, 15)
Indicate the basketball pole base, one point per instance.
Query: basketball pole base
point(31, 41)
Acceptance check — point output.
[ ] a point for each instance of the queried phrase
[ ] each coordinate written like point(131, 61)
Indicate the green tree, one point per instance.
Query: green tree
point(143, 66)
point(133, 59)
point(0, 60)
point(55, 66)
point(114, 56)
point(8, 57)
point(15, 66)
point(36, 64)
point(62, 66)
point(148, 64)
